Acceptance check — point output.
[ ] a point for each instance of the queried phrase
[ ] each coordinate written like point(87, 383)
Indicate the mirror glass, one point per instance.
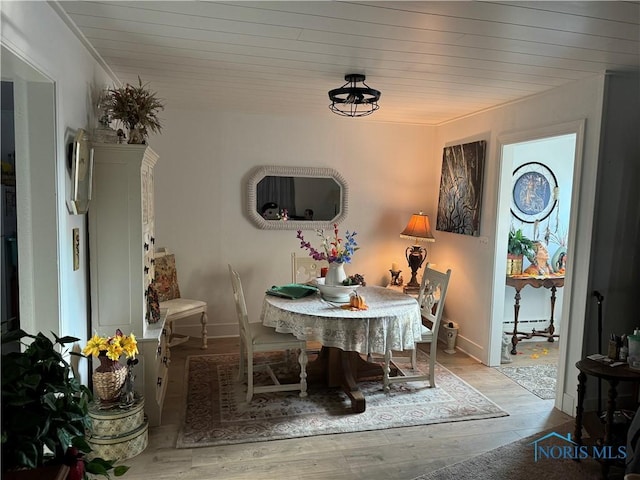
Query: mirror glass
point(292, 198)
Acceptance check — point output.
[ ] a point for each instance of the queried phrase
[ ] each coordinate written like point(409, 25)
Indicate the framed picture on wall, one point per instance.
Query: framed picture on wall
point(461, 188)
point(535, 191)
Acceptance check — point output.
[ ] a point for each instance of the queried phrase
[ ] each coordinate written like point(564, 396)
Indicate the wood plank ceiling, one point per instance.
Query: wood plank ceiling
point(432, 61)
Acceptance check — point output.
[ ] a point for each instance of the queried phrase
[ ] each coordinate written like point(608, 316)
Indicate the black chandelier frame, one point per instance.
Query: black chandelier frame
point(352, 101)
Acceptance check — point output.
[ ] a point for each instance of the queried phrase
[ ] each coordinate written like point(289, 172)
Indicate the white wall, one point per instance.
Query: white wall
point(34, 33)
point(472, 258)
point(201, 188)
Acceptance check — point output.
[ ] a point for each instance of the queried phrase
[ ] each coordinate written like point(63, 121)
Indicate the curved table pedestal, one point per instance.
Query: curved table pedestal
point(336, 368)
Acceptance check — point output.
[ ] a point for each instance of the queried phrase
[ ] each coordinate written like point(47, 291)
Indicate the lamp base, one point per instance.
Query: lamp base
point(416, 256)
point(411, 290)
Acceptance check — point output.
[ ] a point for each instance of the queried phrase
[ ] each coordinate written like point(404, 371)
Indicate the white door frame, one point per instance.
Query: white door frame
point(36, 194)
point(501, 235)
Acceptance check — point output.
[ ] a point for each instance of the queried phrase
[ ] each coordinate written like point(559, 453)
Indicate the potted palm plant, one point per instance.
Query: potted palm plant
point(45, 410)
point(137, 108)
point(517, 248)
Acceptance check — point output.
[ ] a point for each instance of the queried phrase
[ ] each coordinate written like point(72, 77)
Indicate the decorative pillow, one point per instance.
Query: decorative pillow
point(166, 281)
point(153, 304)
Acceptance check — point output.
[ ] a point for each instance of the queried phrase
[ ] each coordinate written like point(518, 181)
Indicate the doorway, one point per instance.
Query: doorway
point(8, 228)
point(550, 155)
point(35, 176)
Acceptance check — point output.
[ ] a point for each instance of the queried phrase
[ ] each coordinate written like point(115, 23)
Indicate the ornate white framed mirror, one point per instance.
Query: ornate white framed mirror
point(296, 198)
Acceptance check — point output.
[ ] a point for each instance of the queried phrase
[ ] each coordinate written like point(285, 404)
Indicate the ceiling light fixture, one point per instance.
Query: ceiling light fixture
point(352, 101)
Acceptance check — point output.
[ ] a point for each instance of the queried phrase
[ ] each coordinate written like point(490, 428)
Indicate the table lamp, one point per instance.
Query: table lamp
point(419, 230)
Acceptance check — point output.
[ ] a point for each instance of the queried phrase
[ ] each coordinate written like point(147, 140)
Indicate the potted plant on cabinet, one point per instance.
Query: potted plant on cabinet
point(137, 108)
point(517, 248)
point(45, 411)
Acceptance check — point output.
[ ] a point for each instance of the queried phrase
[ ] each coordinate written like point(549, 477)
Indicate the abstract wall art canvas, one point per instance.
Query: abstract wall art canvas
point(461, 188)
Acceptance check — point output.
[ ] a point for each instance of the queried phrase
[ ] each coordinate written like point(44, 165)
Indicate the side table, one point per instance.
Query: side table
point(613, 375)
point(118, 433)
point(518, 283)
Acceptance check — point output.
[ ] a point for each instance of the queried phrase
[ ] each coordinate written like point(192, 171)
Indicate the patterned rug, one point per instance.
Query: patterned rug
point(517, 460)
point(538, 379)
point(216, 412)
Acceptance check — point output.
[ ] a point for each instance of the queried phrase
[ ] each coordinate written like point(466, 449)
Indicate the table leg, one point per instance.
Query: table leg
point(348, 381)
point(548, 332)
point(337, 368)
point(611, 408)
point(516, 311)
point(582, 387)
point(203, 321)
point(608, 425)
point(551, 328)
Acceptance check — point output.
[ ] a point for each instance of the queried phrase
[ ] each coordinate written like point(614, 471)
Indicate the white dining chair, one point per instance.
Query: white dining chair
point(305, 269)
point(255, 338)
point(178, 307)
point(433, 292)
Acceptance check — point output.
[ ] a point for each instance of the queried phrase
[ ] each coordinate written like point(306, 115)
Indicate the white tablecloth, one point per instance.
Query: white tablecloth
point(393, 321)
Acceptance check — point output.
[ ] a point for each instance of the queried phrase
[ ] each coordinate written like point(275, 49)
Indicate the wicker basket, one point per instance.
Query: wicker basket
point(108, 379)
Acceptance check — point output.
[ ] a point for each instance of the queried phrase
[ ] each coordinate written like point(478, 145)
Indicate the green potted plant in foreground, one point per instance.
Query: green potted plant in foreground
point(45, 410)
point(517, 248)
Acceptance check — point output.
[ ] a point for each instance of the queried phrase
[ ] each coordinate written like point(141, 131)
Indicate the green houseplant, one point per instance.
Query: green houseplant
point(45, 410)
point(137, 108)
point(517, 247)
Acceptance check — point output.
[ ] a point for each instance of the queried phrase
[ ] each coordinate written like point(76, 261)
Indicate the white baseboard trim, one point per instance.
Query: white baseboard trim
point(475, 351)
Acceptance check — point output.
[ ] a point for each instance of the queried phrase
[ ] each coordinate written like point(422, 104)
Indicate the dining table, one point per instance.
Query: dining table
point(391, 322)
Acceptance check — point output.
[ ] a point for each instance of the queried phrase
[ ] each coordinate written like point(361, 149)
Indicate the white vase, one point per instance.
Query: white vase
point(335, 274)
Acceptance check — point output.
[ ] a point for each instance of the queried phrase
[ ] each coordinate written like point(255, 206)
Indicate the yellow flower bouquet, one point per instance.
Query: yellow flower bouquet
point(113, 347)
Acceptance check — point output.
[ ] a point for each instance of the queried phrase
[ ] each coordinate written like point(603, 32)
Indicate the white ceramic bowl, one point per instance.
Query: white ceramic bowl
point(335, 293)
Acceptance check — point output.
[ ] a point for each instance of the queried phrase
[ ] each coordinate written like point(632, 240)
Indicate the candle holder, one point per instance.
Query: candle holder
point(396, 279)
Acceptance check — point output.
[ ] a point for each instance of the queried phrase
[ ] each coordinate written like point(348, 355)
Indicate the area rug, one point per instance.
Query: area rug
point(216, 412)
point(538, 379)
point(517, 460)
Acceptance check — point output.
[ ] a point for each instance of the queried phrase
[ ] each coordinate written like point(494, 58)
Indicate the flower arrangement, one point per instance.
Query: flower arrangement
point(137, 107)
point(336, 249)
point(113, 347)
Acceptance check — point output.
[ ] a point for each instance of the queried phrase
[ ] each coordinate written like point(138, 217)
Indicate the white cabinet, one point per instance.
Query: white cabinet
point(121, 245)
point(154, 369)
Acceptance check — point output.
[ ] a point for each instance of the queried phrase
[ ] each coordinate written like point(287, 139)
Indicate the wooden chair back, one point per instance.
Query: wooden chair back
point(241, 306)
point(433, 293)
point(305, 269)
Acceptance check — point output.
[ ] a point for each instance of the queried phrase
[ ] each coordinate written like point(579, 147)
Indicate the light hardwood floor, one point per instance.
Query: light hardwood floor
point(533, 352)
point(400, 453)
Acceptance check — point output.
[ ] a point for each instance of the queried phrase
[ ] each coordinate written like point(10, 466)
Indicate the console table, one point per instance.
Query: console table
point(519, 282)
